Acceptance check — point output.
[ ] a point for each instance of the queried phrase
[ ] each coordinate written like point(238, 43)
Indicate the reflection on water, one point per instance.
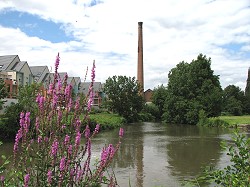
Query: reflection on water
point(155, 154)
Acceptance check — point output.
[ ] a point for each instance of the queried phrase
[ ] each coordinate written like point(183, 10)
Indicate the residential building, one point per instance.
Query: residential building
point(98, 92)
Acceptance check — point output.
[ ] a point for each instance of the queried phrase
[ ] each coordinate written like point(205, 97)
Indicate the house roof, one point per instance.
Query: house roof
point(84, 88)
point(18, 66)
point(77, 79)
point(6, 60)
point(37, 70)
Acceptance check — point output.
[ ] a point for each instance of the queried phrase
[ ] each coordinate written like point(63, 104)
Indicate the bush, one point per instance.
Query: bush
point(153, 110)
point(49, 152)
point(236, 174)
point(211, 122)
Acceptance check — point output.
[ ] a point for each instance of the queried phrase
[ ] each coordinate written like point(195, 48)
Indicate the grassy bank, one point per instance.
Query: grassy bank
point(107, 120)
point(236, 120)
point(223, 121)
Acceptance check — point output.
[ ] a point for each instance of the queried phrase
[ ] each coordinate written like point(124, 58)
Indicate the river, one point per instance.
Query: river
point(155, 154)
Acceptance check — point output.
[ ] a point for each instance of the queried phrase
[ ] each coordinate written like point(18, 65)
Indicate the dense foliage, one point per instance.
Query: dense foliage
point(191, 88)
point(54, 151)
point(3, 93)
point(26, 102)
point(233, 100)
point(123, 96)
point(159, 97)
point(236, 174)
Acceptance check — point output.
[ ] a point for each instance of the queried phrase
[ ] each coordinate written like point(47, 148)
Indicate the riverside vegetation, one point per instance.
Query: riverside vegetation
point(200, 100)
point(54, 151)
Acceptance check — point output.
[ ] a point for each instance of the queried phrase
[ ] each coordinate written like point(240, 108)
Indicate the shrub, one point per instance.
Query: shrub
point(238, 172)
point(54, 151)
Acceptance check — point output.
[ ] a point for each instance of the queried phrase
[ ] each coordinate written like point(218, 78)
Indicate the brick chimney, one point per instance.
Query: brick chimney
point(140, 58)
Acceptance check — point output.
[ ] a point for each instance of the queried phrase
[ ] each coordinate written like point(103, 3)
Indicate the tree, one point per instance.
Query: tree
point(191, 88)
point(233, 100)
point(26, 103)
point(27, 96)
point(159, 97)
point(123, 96)
point(3, 93)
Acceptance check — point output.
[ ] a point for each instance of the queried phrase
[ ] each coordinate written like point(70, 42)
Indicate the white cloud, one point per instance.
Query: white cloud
point(173, 31)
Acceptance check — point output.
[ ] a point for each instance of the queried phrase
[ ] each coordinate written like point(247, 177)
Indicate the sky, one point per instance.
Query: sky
point(107, 31)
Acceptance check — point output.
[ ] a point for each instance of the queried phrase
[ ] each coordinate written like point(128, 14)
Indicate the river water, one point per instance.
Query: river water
point(155, 154)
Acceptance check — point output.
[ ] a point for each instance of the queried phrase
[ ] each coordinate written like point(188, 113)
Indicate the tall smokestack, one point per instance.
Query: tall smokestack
point(140, 58)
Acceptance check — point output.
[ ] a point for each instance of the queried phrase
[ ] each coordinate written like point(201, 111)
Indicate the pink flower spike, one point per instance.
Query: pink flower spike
point(49, 176)
point(1, 178)
point(97, 128)
point(121, 132)
point(62, 163)
point(57, 63)
point(26, 180)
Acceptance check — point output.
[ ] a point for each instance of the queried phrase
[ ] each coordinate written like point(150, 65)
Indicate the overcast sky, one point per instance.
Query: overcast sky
point(107, 31)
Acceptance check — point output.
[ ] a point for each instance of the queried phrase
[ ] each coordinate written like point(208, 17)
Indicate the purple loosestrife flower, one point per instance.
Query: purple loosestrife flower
point(93, 72)
point(79, 175)
point(22, 121)
point(69, 105)
point(77, 104)
point(54, 148)
point(77, 124)
point(26, 123)
point(77, 139)
point(59, 116)
point(17, 138)
point(67, 91)
point(66, 139)
point(55, 99)
point(111, 150)
point(87, 132)
point(57, 63)
point(121, 132)
point(51, 87)
point(49, 176)
point(39, 139)
point(70, 148)
point(59, 85)
point(104, 156)
point(62, 163)
point(1, 178)
point(91, 97)
point(97, 128)
point(26, 180)
point(40, 100)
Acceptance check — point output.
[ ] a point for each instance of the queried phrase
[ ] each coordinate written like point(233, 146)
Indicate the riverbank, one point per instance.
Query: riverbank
point(107, 120)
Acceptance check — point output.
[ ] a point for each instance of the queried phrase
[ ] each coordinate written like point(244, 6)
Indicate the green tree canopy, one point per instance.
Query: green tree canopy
point(26, 102)
point(191, 88)
point(123, 96)
point(159, 97)
point(233, 100)
point(3, 93)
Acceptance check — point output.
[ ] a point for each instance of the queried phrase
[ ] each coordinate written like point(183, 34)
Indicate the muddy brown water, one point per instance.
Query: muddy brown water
point(155, 154)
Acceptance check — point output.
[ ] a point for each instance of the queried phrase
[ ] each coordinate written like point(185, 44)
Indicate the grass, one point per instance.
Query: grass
point(107, 120)
point(236, 120)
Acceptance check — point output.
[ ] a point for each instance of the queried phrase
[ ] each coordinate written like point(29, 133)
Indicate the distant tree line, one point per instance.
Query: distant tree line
point(193, 87)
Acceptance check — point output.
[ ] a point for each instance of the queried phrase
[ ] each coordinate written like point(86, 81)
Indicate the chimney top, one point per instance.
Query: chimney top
point(140, 24)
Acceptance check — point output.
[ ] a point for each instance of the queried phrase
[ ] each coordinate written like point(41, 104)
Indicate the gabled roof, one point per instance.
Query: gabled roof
point(84, 88)
point(6, 60)
point(77, 79)
point(18, 66)
point(38, 72)
point(70, 79)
